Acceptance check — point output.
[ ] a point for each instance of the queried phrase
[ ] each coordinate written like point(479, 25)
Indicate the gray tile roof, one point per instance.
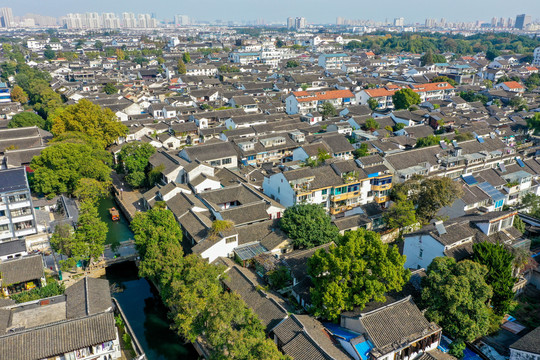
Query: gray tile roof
point(12, 247)
point(529, 343)
point(400, 322)
point(56, 339)
point(267, 309)
point(87, 297)
point(21, 269)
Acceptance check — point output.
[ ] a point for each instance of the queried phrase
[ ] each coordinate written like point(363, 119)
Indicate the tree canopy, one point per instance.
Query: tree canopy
point(534, 123)
point(405, 98)
point(191, 288)
point(60, 166)
point(371, 124)
point(308, 225)
point(328, 110)
point(110, 89)
point(456, 296)
point(100, 124)
point(27, 118)
point(186, 58)
point(133, 161)
point(356, 271)
point(19, 95)
point(181, 67)
point(86, 243)
point(499, 262)
point(428, 195)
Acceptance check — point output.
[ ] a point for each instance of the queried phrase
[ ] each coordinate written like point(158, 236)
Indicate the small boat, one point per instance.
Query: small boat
point(115, 215)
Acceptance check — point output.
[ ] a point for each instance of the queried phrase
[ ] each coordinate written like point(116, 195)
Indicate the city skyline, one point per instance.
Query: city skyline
point(279, 10)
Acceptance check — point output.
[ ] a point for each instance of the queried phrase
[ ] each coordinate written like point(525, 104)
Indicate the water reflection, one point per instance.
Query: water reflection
point(147, 315)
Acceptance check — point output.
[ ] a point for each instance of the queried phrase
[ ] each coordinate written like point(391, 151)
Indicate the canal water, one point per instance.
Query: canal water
point(118, 230)
point(147, 315)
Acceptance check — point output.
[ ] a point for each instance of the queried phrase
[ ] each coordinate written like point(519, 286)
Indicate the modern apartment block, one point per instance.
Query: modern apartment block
point(17, 216)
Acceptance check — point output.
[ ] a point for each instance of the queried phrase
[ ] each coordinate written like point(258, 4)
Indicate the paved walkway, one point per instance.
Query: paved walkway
point(129, 199)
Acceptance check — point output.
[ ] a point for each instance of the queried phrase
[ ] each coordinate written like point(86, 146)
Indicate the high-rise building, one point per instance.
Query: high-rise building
point(300, 23)
point(430, 23)
point(522, 21)
point(6, 17)
point(493, 22)
point(181, 20)
point(110, 21)
point(290, 23)
point(536, 57)
point(340, 21)
point(399, 21)
point(129, 20)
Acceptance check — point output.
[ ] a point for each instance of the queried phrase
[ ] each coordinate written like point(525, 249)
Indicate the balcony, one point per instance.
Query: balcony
point(381, 199)
point(381, 187)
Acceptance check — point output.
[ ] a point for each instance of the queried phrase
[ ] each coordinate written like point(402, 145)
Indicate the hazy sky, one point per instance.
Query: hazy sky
point(315, 11)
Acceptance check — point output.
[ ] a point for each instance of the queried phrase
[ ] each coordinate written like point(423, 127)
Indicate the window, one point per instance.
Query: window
point(4, 227)
point(226, 161)
point(421, 253)
point(506, 223)
point(230, 240)
point(324, 191)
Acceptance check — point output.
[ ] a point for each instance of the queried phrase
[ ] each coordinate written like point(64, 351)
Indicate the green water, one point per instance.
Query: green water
point(145, 312)
point(118, 230)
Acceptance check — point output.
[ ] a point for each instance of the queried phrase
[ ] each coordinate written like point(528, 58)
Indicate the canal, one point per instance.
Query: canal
point(147, 315)
point(118, 230)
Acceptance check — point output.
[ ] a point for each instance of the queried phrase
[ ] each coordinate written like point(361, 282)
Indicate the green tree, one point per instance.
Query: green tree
point(401, 214)
point(399, 126)
point(429, 140)
point(49, 54)
point(100, 124)
point(519, 224)
point(534, 123)
point(456, 297)
point(356, 271)
point(373, 104)
point(499, 262)
point(186, 58)
point(91, 233)
point(60, 166)
point(19, 95)
point(371, 124)
point(133, 161)
point(427, 58)
point(518, 103)
point(280, 43)
point(405, 98)
point(362, 151)
point(292, 64)
point(328, 110)
point(110, 89)
point(308, 225)
point(428, 195)
point(98, 45)
point(25, 119)
point(353, 45)
point(91, 190)
point(181, 67)
point(279, 278)
point(491, 54)
point(438, 79)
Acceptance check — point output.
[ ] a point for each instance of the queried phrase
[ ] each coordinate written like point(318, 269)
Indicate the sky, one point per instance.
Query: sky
point(315, 11)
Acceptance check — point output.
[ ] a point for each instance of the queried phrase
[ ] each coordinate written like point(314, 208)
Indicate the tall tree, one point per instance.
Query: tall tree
point(499, 262)
point(181, 67)
point(373, 104)
point(186, 58)
point(456, 297)
point(60, 166)
point(405, 98)
point(328, 110)
point(19, 95)
point(91, 233)
point(100, 124)
point(25, 119)
point(110, 89)
point(401, 214)
point(91, 190)
point(428, 195)
point(133, 161)
point(358, 270)
point(308, 225)
point(534, 123)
